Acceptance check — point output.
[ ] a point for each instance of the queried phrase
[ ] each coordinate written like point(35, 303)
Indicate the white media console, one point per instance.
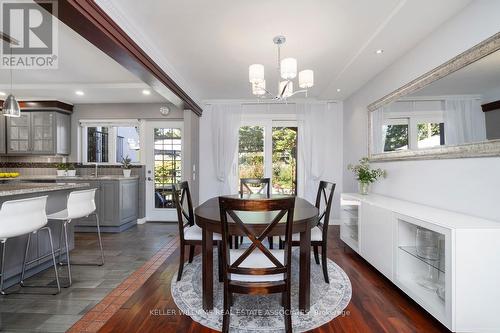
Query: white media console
point(383, 231)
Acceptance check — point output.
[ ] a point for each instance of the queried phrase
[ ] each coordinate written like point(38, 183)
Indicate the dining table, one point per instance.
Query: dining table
point(305, 217)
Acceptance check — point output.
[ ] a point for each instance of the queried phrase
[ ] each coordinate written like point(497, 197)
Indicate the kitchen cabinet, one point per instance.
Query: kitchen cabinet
point(117, 203)
point(3, 146)
point(38, 133)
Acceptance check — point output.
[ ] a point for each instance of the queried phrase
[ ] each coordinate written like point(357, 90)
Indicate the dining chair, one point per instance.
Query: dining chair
point(189, 233)
point(264, 188)
point(319, 234)
point(256, 270)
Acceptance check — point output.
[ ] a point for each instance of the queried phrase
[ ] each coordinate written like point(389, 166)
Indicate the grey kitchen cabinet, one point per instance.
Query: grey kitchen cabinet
point(117, 203)
point(39, 133)
point(3, 146)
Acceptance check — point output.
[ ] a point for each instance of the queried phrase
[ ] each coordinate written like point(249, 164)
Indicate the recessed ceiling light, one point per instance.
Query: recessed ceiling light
point(338, 89)
point(380, 51)
point(2, 93)
point(146, 92)
point(79, 93)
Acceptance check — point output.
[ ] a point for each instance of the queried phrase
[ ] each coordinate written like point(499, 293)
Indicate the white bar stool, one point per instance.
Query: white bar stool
point(80, 204)
point(21, 217)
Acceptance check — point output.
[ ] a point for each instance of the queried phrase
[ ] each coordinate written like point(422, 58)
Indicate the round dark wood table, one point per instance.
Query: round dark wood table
point(305, 217)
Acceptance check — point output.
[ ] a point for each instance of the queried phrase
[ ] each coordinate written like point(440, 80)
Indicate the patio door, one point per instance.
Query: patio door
point(269, 149)
point(164, 143)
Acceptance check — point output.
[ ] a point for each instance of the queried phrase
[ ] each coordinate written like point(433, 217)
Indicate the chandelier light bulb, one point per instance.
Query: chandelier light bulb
point(306, 78)
point(288, 68)
point(256, 73)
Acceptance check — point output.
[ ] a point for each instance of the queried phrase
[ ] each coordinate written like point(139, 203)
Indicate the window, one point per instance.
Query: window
point(167, 164)
point(251, 152)
point(269, 149)
point(110, 144)
point(396, 134)
point(430, 134)
point(284, 160)
point(413, 131)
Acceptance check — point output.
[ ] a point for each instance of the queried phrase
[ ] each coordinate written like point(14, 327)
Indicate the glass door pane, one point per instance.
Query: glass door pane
point(167, 165)
point(251, 152)
point(284, 173)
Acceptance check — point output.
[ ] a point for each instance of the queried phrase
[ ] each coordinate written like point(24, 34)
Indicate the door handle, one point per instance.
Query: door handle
point(149, 179)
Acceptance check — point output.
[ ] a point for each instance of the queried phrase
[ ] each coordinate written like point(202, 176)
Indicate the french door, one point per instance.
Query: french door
point(268, 149)
point(164, 143)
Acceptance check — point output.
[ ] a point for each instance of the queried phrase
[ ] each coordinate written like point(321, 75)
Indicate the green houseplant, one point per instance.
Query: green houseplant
point(126, 166)
point(365, 175)
point(61, 169)
point(70, 170)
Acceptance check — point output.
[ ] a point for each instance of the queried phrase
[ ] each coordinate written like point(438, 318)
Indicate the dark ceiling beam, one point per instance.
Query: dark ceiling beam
point(43, 105)
point(91, 22)
point(491, 106)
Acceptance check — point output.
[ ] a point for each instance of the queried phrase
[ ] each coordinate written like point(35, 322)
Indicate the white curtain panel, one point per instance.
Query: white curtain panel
point(226, 120)
point(378, 132)
point(464, 121)
point(315, 126)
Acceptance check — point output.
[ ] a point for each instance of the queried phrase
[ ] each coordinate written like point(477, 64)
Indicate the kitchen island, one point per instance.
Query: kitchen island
point(57, 195)
point(118, 199)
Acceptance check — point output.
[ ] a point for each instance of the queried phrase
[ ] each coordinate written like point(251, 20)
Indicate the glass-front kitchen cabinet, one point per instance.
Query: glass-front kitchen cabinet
point(38, 133)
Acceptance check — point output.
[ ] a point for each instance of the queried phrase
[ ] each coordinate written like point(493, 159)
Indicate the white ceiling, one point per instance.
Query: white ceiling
point(81, 67)
point(479, 78)
point(207, 45)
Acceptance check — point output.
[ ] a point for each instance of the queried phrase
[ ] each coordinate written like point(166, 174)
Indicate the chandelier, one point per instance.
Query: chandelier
point(287, 70)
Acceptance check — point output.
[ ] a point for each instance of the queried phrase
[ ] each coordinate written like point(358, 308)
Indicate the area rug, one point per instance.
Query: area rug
point(264, 313)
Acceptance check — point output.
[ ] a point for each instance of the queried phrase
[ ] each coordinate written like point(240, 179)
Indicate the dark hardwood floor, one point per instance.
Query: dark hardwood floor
point(376, 304)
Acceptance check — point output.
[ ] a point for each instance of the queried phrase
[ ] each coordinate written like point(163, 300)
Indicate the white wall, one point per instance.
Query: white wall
point(332, 147)
point(464, 185)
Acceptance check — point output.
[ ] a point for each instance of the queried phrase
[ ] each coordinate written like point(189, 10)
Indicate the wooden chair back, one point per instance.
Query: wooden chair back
point(185, 217)
point(263, 183)
point(324, 198)
point(229, 207)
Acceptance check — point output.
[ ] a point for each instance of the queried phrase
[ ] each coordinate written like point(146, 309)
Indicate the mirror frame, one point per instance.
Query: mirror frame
point(479, 149)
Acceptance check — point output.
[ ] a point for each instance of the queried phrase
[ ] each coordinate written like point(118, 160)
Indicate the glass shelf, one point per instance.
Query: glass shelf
point(412, 250)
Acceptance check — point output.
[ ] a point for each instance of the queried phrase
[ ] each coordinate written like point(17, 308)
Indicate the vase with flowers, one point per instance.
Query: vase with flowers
point(365, 175)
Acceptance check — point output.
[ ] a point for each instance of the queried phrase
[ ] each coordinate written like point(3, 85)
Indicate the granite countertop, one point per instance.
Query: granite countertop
point(16, 188)
point(59, 178)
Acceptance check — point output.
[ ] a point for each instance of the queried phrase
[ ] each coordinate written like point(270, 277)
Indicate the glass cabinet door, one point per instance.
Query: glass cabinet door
point(42, 131)
point(18, 134)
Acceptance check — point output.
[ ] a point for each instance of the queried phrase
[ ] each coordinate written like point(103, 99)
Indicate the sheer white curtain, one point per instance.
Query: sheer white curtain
point(464, 121)
point(226, 120)
point(378, 130)
point(312, 144)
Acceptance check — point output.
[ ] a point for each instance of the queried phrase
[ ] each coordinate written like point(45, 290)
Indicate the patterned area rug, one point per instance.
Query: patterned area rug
point(264, 313)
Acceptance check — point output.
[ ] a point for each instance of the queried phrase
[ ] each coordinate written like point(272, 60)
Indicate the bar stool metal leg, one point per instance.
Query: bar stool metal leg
point(99, 237)
point(52, 253)
point(24, 259)
point(65, 227)
point(54, 260)
point(3, 267)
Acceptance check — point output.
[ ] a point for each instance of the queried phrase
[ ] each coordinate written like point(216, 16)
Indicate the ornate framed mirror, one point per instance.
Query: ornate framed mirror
point(453, 111)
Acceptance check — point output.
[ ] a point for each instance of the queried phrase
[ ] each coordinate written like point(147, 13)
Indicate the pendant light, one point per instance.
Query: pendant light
point(10, 106)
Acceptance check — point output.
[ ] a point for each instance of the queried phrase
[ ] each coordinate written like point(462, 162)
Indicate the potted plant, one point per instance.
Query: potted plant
point(70, 170)
point(61, 169)
point(365, 175)
point(126, 166)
